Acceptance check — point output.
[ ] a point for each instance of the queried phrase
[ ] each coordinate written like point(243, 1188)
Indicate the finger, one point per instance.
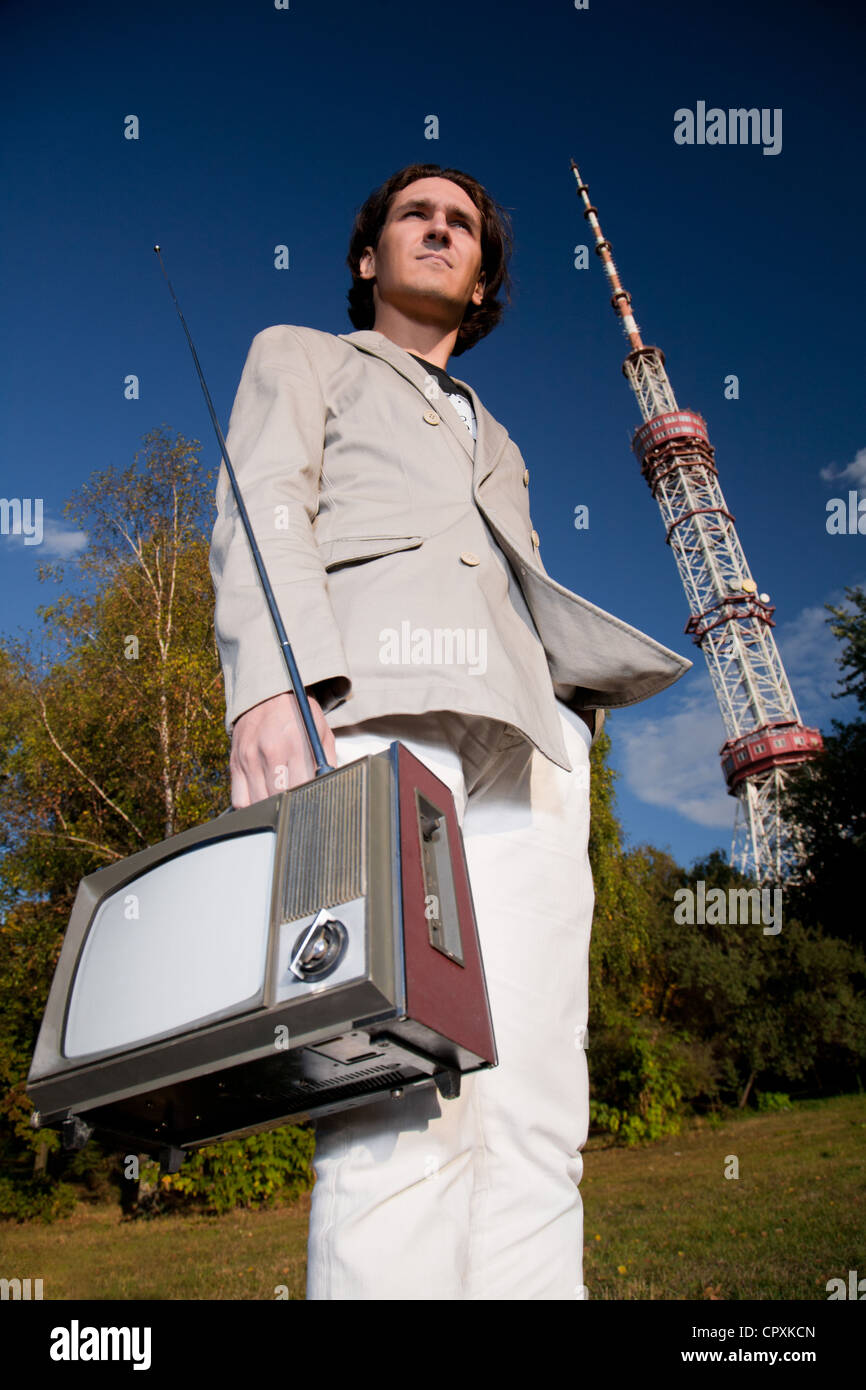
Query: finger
point(258, 769)
point(297, 768)
point(240, 790)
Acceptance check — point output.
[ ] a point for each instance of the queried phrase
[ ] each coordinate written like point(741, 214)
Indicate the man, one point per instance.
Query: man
point(392, 514)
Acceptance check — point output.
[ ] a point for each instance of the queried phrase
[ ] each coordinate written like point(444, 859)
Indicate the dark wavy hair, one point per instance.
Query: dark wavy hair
point(496, 248)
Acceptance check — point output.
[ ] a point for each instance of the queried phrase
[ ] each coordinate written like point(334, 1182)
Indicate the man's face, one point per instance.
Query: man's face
point(428, 261)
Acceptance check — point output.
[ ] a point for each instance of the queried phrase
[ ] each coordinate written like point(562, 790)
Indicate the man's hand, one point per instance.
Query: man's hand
point(270, 749)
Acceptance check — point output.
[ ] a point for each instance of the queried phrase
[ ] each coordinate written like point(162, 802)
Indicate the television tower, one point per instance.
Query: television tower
point(730, 621)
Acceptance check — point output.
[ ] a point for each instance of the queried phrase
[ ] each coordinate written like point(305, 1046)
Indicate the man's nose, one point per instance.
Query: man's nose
point(439, 227)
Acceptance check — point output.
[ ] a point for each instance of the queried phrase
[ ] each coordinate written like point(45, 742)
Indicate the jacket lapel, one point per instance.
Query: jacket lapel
point(484, 451)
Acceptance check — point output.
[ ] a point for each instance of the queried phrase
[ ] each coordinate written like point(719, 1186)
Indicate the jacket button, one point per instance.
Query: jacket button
point(526, 477)
point(535, 539)
point(469, 558)
point(431, 417)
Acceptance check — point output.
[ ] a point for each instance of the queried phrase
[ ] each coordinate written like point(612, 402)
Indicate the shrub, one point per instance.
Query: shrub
point(639, 1070)
point(774, 1100)
point(253, 1172)
point(38, 1199)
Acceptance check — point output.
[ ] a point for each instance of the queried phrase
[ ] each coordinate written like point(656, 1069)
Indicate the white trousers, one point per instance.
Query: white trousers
point(477, 1197)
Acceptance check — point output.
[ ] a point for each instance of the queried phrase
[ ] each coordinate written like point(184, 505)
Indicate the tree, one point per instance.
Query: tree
point(770, 1007)
point(113, 737)
point(826, 799)
point(850, 628)
point(639, 1069)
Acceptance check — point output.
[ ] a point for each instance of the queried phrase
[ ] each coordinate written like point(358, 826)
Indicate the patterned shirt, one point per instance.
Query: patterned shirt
point(441, 381)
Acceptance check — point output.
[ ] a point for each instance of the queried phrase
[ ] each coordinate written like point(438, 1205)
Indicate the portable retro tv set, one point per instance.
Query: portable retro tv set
point(314, 951)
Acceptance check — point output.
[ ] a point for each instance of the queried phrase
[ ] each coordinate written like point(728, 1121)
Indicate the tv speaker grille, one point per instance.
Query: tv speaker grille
point(326, 842)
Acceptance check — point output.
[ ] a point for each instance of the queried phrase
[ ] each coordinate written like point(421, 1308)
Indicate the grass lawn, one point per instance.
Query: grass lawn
point(664, 1222)
point(661, 1222)
point(93, 1254)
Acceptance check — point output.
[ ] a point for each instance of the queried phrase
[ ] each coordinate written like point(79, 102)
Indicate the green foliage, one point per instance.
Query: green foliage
point(691, 1017)
point(826, 799)
point(111, 733)
point(773, 1100)
point(774, 1007)
point(850, 627)
point(29, 1199)
point(643, 1071)
point(252, 1172)
point(630, 889)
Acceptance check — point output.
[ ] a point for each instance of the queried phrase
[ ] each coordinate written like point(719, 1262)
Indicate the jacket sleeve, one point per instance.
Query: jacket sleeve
point(275, 442)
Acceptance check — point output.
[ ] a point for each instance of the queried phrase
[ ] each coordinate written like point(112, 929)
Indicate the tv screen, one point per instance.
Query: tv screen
point(181, 944)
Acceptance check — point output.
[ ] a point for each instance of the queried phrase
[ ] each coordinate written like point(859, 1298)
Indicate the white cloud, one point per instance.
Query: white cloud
point(809, 653)
point(57, 542)
point(674, 762)
point(853, 472)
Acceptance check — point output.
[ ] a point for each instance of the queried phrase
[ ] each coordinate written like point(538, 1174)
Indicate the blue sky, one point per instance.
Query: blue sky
point(260, 127)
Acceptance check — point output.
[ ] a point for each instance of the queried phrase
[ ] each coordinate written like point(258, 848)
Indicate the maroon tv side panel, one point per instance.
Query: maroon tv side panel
point(440, 993)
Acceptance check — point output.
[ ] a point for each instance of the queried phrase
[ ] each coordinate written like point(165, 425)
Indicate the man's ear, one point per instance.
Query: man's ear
point(367, 264)
point(478, 292)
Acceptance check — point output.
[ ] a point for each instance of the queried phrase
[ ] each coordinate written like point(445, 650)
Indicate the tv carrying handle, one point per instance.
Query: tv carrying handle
point(322, 765)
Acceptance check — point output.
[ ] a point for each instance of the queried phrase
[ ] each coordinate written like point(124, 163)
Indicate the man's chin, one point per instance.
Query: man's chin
point(431, 304)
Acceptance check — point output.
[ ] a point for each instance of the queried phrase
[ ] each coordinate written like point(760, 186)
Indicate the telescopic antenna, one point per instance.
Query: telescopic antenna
point(322, 765)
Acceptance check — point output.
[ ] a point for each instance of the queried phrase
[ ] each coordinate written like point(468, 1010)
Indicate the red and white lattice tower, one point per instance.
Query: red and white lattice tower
point(730, 621)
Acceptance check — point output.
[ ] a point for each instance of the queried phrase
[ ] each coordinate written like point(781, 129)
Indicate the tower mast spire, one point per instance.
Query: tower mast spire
point(730, 622)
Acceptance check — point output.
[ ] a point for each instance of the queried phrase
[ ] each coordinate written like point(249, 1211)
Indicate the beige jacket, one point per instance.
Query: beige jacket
point(401, 552)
